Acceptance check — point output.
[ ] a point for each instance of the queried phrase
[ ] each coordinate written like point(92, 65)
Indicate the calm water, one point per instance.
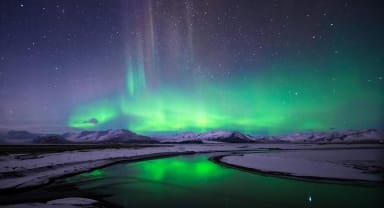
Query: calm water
point(194, 181)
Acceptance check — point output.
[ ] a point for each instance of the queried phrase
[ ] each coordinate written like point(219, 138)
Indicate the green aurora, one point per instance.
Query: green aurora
point(280, 98)
point(165, 67)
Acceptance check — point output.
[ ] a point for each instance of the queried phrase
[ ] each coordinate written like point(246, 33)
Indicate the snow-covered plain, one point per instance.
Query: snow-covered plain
point(28, 170)
point(337, 161)
point(23, 170)
point(340, 164)
point(70, 202)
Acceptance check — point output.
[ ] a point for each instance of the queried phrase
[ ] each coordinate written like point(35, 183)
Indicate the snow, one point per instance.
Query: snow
point(73, 201)
point(28, 170)
point(336, 161)
point(347, 136)
point(209, 137)
point(70, 202)
point(100, 136)
point(351, 164)
point(218, 136)
point(21, 171)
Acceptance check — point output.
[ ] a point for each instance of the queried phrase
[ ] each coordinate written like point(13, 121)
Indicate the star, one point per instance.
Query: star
point(249, 51)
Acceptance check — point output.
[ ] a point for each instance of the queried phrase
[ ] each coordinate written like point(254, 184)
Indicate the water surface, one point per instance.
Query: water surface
point(194, 181)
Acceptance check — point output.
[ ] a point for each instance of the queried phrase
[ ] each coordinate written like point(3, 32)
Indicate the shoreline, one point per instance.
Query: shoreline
point(17, 166)
point(143, 154)
point(100, 201)
point(313, 179)
point(10, 191)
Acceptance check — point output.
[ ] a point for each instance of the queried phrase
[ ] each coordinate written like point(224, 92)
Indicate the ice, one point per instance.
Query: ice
point(342, 164)
point(70, 202)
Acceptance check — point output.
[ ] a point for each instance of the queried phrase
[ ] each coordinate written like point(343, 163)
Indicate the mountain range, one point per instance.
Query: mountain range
point(210, 137)
point(84, 137)
point(218, 136)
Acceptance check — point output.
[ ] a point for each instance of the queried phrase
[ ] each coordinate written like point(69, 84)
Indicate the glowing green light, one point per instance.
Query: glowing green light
point(280, 98)
point(135, 78)
point(93, 115)
point(94, 173)
point(130, 82)
point(179, 169)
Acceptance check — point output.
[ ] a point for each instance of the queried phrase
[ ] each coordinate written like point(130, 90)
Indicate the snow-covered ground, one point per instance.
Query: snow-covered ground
point(343, 164)
point(71, 202)
point(28, 170)
point(23, 170)
point(332, 161)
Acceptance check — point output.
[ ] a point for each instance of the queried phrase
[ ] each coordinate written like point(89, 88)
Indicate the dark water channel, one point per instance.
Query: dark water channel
point(194, 181)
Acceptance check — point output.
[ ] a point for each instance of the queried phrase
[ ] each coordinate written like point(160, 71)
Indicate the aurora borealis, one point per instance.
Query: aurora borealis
point(263, 67)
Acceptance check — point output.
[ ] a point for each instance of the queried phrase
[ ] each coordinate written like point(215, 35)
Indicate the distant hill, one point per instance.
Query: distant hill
point(108, 136)
point(218, 136)
point(14, 136)
point(20, 135)
point(210, 137)
point(346, 136)
point(50, 139)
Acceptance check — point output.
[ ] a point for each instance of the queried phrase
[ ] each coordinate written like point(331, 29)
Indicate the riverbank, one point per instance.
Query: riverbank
point(28, 170)
point(24, 172)
point(355, 166)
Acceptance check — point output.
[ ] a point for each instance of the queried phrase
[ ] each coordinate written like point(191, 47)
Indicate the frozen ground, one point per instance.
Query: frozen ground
point(28, 170)
point(72, 202)
point(340, 161)
point(341, 164)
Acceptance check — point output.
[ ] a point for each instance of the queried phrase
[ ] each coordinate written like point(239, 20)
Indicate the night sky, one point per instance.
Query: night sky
point(261, 67)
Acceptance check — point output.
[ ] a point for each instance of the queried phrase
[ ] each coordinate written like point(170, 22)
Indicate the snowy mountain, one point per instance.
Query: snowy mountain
point(107, 136)
point(16, 137)
point(347, 136)
point(219, 136)
point(50, 139)
point(210, 137)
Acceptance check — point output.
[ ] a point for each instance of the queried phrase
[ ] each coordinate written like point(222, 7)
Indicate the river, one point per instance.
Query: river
point(195, 181)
